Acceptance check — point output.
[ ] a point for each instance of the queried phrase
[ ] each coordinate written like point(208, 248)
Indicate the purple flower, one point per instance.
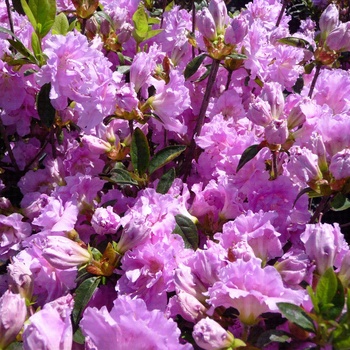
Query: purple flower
point(13, 312)
point(13, 232)
point(130, 325)
point(105, 221)
point(78, 71)
point(276, 132)
point(339, 38)
point(51, 327)
point(251, 289)
point(209, 335)
point(329, 20)
point(63, 253)
point(325, 245)
point(21, 279)
point(340, 165)
point(206, 24)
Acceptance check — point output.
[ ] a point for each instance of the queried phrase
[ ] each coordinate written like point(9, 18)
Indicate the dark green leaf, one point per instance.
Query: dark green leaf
point(187, 230)
point(193, 66)
point(166, 181)
point(61, 24)
point(36, 46)
point(297, 315)
point(44, 12)
point(22, 50)
point(121, 177)
point(139, 152)
point(45, 109)
point(309, 67)
point(83, 295)
point(340, 202)
point(271, 336)
point(78, 337)
point(248, 155)
point(165, 156)
point(15, 346)
point(123, 69)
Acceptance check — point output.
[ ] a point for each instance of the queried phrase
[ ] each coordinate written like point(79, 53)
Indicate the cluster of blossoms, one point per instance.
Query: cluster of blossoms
point(164, 176)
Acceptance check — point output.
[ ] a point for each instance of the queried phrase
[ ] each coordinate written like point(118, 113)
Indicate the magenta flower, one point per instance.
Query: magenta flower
point(131, 325)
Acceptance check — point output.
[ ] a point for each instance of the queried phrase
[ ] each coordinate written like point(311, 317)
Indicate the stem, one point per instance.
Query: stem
point(8, 146)
point(163, 10)
point(281, 13)
point(9, 15)
point(229, 76)
point(321, 209)
point(37, 155)
point(83, 25)
point(313, 83)
point(201, 117)
point(193, 26)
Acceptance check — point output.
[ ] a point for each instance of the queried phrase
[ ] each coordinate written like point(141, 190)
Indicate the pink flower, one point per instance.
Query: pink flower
point(51, 327)
point(209, 335)
point(340, 165)
point(325, 245)
point(206, 24)
point(13, 232)
point(329, 20)
point(13, 312)
point(251, 289)
point(276, 132)
point(63, 253)
point(131, 325)
point(105, 221)
point(174, 94)
point(338, 39)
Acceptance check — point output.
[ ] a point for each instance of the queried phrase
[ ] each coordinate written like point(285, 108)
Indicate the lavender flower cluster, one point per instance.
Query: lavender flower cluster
point(165, 174)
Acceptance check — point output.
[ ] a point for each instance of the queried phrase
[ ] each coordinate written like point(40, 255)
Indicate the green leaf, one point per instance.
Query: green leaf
point(165, 156)
point(139, 152)
point(340, 202)
point(78, 336)
point(140, 20)
point(45, 109)
point(152, 33)
point(296, 42)
point(166, 181)
point(61, 24)
point(36, 46)
point(44, 12)
point(23, 50)
point(121, 177)
point(237, 56)
point(193, 66)
point(271, 336)
point(326, 287)
point(330, 295)
point(297, 315)
point(187, 230)
point(248, 155)
point(83, 295)
point(27, 10)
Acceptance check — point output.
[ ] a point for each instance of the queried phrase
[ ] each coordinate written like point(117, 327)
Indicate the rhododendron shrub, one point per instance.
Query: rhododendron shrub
point(174, 177)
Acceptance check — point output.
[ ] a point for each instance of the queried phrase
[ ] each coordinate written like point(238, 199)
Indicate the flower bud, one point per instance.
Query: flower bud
point(273, 94)
point(320, 245)
point(13, 312)
point(276, 133)
point(339, 38)
point(344, 271)
point(63, 253)
point(329, 20)
point(295, 118)
point(340, 165)
point(236, 32)
point(206, 25)
point(218, 11)
point(209, 335)
point(260, 112)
